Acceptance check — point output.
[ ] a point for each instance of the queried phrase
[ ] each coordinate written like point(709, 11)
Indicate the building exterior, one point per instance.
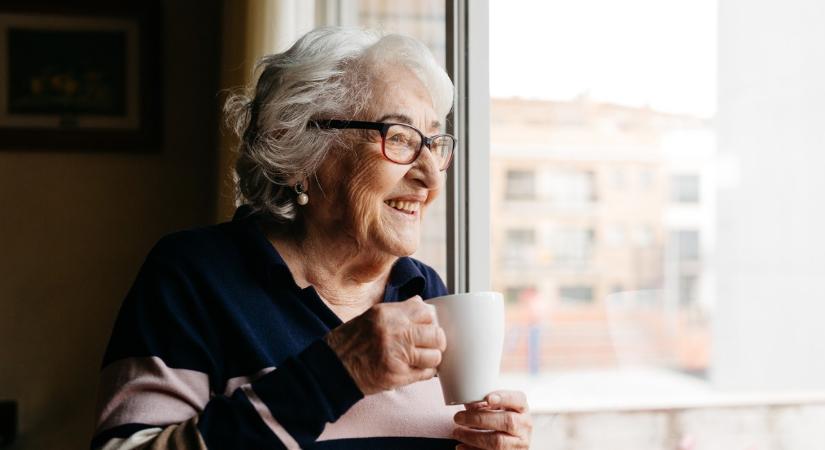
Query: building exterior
point(597, 223)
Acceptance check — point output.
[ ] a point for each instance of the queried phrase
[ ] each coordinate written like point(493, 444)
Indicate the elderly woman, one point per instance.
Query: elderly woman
point(301, 323)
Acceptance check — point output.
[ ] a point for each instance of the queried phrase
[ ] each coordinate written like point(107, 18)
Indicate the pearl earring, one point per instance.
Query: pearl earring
point(302, 197)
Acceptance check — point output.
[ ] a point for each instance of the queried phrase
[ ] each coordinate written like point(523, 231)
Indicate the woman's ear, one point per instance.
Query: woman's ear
point(298, 178)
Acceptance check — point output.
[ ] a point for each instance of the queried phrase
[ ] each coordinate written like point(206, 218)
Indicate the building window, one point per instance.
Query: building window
point(570, 187)
point(513, 294)
point(521, 185)
point(519, 250)
point(644, 236)
point(687, 289)
point(617, 178)
point(684, 189)
point(521, 237)
point(576, 294)
point(685, 245)
point(646, 178)
point(615, 235)
point(573, 245)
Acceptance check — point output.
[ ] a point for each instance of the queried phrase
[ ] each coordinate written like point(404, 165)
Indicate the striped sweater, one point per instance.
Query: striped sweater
point(216, 347)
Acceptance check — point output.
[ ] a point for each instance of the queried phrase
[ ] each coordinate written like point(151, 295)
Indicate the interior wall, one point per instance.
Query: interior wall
point(75, 227)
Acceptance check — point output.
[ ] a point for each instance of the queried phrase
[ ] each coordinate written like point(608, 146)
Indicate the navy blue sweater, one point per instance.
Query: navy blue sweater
point(216, 347)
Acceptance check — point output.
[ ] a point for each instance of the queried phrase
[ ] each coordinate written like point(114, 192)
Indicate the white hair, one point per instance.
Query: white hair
point(326, 74)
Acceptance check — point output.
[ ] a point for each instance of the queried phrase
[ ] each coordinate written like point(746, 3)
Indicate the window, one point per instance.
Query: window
point(574, 245)
point(643, 236)
point(521, 185)
point(569, 188)
point(425, 20)
point(515, 294)
point(684, 188)
point(685, 244)
point(615, 235)
point(646, 178)
point(576, 294)
point(521, 237)
point(618, 178)
point(652, 95)
point(687, 289)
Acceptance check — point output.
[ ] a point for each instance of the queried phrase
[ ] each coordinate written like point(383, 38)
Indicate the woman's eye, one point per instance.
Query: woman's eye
point(398, 138)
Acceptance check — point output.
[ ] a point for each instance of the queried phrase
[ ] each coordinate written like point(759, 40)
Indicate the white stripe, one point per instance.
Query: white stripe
point(286, 439)
point(133, 441)
point(236, 382)
point(146, 390)
point(415, 410)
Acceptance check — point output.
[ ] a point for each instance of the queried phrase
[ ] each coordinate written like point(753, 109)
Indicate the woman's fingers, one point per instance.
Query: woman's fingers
point(477, 405)
point(489, 439)
point(505, 421)
point(512, 400)
point(423, 374)
point(500, 421)
point(390, 345)
point(418, 311)
point(425, 358)
point(429, 336)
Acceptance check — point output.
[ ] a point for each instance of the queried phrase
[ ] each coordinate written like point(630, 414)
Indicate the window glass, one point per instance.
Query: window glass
point(521, 185)
point(684, 188)
point(424, 20)
point(671, 153)
point(600, 143)
point(576, 294)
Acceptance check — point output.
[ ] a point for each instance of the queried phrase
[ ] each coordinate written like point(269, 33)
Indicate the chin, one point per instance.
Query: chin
point(401, 247)
point(396, 241)
point(404, 249)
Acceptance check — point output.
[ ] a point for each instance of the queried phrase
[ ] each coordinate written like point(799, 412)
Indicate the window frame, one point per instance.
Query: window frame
point(468, 190)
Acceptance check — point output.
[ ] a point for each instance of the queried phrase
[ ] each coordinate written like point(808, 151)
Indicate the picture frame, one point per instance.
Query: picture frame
point(80, 77)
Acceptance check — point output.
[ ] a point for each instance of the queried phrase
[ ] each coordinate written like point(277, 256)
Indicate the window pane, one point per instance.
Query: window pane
point(604, 140)
point(685, 189)
point(521, 185)
point(424, 20)
point(576, 294)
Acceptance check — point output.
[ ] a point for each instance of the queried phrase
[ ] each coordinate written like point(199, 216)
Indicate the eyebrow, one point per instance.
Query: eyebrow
point(401, 118)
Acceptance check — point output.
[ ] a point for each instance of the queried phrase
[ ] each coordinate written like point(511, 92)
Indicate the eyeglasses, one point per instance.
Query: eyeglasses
point(400, 143)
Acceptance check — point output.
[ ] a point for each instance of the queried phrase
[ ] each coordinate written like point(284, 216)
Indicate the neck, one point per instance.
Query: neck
point(342, 273)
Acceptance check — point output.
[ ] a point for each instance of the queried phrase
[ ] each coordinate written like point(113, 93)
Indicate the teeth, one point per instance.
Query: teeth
point(409, 207)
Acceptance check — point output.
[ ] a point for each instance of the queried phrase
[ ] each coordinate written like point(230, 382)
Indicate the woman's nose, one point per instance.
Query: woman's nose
point(427, 168)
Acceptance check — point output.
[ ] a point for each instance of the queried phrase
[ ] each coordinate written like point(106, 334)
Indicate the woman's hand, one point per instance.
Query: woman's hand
point(501, 421)
point(391, 345)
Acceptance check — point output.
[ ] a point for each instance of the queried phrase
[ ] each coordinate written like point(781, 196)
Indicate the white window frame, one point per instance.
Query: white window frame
point(468, 189)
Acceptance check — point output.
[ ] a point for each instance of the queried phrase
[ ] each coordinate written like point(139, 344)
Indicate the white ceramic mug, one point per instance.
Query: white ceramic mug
point(474, 325)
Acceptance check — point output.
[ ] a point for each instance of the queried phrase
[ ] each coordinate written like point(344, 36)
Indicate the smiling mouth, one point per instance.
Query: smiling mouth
point(405, 207)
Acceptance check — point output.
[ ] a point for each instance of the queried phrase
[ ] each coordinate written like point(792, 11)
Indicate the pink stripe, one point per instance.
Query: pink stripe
point(146, 390)
point(268, 419)
point(235, 383)
point(414, 410)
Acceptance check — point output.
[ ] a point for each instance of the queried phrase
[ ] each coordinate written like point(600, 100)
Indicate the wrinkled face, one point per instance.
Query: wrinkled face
point(371, 199)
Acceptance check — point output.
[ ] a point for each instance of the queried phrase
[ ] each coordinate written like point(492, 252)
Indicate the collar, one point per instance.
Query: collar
point(406, 278)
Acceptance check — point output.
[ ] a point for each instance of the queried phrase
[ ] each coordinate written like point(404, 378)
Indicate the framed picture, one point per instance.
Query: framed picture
point(80, 78)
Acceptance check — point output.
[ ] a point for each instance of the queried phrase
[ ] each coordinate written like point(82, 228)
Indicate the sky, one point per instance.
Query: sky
point(659, 53)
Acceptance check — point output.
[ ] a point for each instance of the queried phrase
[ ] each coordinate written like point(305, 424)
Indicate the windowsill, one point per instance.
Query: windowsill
point(638, 389)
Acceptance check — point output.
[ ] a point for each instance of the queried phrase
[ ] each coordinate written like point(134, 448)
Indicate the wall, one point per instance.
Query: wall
point(75, 227)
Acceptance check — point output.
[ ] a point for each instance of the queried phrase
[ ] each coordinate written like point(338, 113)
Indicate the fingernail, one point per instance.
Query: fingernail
point(494, 399)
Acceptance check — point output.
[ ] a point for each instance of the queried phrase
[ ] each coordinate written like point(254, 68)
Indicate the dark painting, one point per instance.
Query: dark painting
point(67, 72)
